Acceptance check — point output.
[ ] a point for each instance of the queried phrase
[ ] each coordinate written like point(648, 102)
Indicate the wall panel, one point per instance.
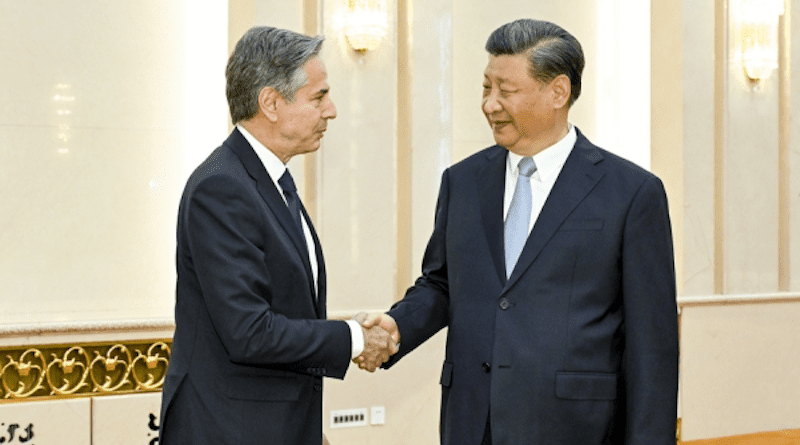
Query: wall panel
point(739, 368)
point(63, 422)
point(356, 193)
point(793, 148)
point(697, 146)
point(91, 133)
point(750, 173)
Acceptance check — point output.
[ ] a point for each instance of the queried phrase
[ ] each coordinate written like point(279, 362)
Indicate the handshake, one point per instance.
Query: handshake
point(381, 340)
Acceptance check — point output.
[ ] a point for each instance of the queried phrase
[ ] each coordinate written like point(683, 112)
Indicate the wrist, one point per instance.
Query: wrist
point(356, 338)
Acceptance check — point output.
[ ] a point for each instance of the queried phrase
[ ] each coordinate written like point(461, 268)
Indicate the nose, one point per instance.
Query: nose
point(330, 109)
point(490, 103)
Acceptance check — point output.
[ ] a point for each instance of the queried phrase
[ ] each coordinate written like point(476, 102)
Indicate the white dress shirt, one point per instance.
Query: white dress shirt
point(275, 168)
point(549, 163)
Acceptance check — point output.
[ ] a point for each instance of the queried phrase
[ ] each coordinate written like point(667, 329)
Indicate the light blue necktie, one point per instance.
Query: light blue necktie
point(519, 214)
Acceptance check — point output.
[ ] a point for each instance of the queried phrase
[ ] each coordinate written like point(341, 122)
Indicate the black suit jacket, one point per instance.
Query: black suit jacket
point(251, 341)
point(579, 345)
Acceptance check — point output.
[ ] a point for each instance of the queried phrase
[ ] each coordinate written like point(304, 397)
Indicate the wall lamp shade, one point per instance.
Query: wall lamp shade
point(759, 28)
point(366, 24)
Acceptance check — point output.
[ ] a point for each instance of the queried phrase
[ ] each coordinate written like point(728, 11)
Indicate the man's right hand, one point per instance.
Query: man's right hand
point(381, 337)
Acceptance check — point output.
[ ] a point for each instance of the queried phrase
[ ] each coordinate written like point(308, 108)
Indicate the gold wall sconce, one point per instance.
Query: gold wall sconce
point(365, 24)
point(759, 28)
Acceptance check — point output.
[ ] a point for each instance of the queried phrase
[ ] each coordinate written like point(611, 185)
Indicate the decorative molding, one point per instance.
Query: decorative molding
point(39, 329)
point(94, 369)
point(721, 300)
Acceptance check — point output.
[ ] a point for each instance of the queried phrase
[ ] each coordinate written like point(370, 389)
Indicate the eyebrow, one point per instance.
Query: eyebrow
point(500, 80)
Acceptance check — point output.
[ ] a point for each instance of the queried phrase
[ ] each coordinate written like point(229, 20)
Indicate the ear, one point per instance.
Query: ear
point(561, 88)
point(268, 103)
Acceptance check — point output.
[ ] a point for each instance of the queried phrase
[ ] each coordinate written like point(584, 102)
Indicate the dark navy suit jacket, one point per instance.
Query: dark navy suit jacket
point(251, 341)
point(579, 346)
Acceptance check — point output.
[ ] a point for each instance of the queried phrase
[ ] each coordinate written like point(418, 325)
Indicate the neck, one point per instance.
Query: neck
point(556, 133)
point(262, 132)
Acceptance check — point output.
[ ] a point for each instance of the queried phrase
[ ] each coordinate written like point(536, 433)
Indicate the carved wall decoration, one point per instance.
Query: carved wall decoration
point(23, 376)
point(112, 368)
point(88, 370)
point(153, 365)
point(71, 371)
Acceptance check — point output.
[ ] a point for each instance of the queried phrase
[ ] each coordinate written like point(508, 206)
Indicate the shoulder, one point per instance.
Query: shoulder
point(477, 160)
point(220, 184)
point(221, 165)
point(616, 167)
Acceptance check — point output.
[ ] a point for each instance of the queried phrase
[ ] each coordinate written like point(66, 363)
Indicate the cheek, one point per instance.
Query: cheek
point(307, 123)
point(527, 115)
point(311, 115)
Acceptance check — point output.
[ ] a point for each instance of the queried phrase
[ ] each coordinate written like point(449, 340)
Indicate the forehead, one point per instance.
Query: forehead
point(508, 68)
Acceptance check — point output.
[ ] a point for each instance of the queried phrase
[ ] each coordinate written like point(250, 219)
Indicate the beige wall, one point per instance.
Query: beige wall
point(740, 368)
point(737, 149)
point(93, 142)
point(728, 151)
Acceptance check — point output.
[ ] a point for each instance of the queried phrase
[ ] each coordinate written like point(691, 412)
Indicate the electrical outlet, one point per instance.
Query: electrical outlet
point(377, 415)
point(344, 418)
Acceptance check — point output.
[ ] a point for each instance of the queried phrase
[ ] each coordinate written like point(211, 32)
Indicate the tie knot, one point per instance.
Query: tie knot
point(286, 182)
point(527, 166)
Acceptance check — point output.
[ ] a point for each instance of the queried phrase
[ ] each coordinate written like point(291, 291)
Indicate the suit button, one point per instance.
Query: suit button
point(504, 304)
point(317, 387)
point(486, 367)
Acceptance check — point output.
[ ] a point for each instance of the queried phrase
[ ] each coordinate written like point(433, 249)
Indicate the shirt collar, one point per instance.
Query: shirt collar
point(548, 161)
point(275, 168)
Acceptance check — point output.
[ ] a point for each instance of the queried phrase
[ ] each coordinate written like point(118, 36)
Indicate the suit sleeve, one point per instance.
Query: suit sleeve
point(650, 362)
point(424, 309)
point(226, 241)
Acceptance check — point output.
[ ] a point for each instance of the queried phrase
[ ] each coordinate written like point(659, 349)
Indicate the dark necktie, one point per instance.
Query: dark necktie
point(292, 201)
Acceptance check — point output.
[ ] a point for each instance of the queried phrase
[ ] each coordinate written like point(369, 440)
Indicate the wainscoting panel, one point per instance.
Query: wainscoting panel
point(62, 422)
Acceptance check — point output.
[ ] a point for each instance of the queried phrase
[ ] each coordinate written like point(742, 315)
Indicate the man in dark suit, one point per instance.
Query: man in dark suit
point(251, 340)
point(551, 264)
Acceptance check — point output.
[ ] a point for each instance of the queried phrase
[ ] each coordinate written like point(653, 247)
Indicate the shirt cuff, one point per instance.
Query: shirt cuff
point(357, 337)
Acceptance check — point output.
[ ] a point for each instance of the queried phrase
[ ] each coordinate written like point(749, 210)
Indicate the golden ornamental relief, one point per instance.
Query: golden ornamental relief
point(153, 365)
point(70, 371)
point(53, 371)
point(113, 369)
point(23, 377)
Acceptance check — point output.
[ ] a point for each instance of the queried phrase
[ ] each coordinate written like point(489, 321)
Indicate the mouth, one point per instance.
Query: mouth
point(497, 125)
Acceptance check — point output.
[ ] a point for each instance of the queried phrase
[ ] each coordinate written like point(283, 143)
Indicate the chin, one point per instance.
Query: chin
point(503, 141)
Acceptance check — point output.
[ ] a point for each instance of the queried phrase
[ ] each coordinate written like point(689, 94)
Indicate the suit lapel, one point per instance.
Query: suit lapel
point(270, 194)
point(577, 178)
point(491, 182)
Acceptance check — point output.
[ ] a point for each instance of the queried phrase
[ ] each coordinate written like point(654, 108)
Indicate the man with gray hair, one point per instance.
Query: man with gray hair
point(251, 342)
point(551, 265)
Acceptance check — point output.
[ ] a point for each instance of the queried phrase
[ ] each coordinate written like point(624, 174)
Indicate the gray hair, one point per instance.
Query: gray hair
point(551, 50)
point(267, 57)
